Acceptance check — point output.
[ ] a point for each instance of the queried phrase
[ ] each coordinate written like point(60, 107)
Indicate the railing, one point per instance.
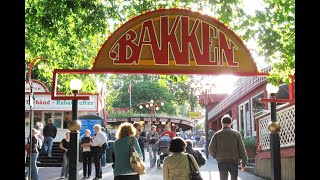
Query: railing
point(286, 118)
point(250, 83)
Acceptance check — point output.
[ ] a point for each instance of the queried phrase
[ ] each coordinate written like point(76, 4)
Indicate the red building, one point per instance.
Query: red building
point(251, 118)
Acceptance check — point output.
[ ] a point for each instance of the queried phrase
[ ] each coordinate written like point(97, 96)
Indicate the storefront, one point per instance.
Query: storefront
point(58, 110)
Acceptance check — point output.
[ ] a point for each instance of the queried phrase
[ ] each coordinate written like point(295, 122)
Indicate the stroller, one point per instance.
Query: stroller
point(163, 149)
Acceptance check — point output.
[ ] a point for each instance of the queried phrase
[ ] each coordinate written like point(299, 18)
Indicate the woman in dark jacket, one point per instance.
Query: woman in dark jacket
point(34, 155)
point(64, 145)
point(86, 144)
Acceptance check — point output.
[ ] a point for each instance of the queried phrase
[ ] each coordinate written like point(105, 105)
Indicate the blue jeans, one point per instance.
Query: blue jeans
point(48, 141)
point(152, 155)
point(65, 166)
point(34, 168)
point(225, 167)
point(103, 159)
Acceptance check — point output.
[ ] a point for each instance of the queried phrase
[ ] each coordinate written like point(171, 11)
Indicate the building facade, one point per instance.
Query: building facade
point(59, 110)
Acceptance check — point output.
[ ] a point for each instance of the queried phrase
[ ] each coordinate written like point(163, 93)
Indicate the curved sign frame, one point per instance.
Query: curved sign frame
point(169, 41)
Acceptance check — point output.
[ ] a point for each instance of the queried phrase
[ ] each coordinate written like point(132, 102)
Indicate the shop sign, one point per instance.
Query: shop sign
point(163, 120)
point(175, 40)
point(135, 119)
point(44, 102)
point(147, 119)
point(37, 87)
point(175, 120)
point(112, 120)
point(195, 115)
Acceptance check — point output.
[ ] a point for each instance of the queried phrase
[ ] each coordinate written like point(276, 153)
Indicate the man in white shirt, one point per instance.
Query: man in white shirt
point(98, 140)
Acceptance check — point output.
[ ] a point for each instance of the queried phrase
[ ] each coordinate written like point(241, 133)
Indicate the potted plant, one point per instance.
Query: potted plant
point(251, 146)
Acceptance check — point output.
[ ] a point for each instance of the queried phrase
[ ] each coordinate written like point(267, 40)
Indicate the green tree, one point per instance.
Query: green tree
point(273, 28)
point(68, 33)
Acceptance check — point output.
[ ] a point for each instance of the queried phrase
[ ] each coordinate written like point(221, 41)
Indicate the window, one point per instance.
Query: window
point(47, 115)
point(27, 118)
point(66, 119)
point(257, 109)
point(256, 105)
point(57, 119)
point(37, 117)
point(283, 93)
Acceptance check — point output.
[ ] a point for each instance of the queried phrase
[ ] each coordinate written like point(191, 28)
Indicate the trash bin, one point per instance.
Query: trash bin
point(109, 152)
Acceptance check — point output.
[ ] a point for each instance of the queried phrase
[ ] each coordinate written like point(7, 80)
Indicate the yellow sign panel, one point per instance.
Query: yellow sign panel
point(195, 115)
point(174, 41)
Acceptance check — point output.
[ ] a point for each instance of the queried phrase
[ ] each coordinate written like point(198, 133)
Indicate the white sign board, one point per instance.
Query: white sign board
point(37, 87)
point(44, 102)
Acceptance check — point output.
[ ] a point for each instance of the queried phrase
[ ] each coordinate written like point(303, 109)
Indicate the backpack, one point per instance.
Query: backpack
point(202, 161)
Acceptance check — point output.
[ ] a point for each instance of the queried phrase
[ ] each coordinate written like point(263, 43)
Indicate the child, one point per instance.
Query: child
point(85, 144)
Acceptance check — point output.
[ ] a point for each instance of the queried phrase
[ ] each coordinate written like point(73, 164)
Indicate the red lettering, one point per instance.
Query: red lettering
point(201, 58)
point(147, 26)
point(227, 51)
point(126, 45)
point(203, 43)
point(169, 36)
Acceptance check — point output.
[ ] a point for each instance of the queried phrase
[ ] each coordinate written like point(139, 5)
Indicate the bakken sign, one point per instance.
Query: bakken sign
point(178, 39)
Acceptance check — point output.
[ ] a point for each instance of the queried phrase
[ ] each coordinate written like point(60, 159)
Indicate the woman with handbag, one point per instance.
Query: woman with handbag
point(178, 166)
point(123, 145)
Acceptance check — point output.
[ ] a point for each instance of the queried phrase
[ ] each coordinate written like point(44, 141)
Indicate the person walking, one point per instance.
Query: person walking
point(152, 138)
point(49, 133)
point(141, 139)
point(65, 145)
point(167, 130)
point(97, 150)
point(85, 144)
point(227, 147)
point(34, 155)
point(121, 156)
point(196, 154)
point(176, 165)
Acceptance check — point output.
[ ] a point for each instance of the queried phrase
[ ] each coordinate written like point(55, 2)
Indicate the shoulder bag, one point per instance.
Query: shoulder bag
point(136, 161)
point(194, 174)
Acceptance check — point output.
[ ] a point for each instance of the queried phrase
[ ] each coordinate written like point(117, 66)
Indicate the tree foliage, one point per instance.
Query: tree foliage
point(68, 33)
point(273, 28)
point(173, 90)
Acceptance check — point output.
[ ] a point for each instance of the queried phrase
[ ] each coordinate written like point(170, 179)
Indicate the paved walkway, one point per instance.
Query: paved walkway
point(209, 172)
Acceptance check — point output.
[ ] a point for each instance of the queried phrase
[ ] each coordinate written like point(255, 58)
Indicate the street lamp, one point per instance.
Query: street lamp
point(152, 105)
point(74, 127)
point(200, 90)
point(31, 104)
point(274, 128)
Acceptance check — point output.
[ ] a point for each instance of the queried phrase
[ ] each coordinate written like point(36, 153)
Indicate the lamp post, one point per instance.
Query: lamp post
point(200, 90)
point(74, 127)
point(31, 104)
point(152, 105)
point(274, 128)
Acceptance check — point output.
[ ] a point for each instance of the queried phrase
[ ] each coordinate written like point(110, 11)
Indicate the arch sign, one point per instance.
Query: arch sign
point(175, 41)
point(170, 41)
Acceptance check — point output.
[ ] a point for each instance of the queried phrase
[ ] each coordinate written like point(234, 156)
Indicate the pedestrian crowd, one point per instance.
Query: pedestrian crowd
point(179, 160)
